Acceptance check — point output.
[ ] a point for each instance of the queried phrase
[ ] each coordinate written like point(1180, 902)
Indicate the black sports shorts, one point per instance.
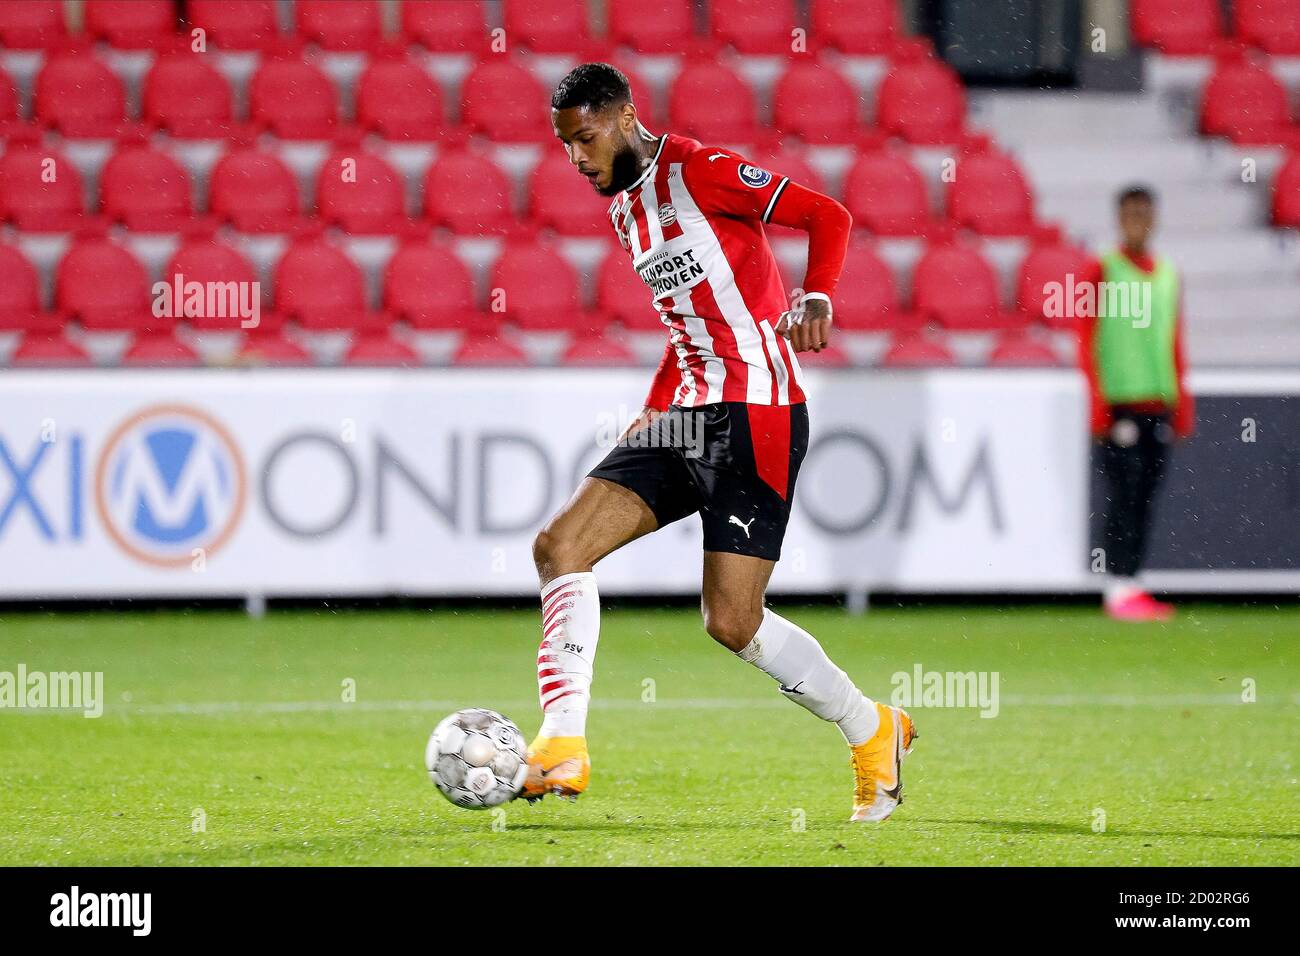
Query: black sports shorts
point(734, 463)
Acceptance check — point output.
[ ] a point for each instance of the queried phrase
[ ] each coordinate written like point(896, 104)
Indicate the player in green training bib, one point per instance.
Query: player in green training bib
point(1132, 355)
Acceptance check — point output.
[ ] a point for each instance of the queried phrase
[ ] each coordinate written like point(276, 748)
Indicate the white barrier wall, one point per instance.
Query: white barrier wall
point(424, 482)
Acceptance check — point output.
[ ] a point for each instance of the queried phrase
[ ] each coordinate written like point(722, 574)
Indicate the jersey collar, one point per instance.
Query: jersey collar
point(649, 169)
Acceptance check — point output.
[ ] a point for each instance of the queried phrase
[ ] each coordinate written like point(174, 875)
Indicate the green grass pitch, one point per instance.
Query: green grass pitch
point(241, 723)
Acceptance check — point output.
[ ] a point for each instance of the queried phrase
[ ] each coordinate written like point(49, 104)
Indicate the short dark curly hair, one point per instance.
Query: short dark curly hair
point(593, 86)
point(1136, 192)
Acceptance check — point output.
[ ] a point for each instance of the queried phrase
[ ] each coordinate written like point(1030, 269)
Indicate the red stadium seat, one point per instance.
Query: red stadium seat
point(20, 292)
point(8, 100)
point(445, 26)
point(1286, 193)
point(954, 285)
point(488, 348)
point(144, 188)
point(561, 199)
point(48, 349)
point(621, 295)
point(546, 26)
point(693, 104)
point(499, 100)
point(272, 348)
point(991, 196)
point(130, 24)
point(320, 288)
point(1048, 266)
point(254, 191)
point(1246, 103)
point(159, 350)
point(339, 24)
point(293, 98)
point(32, 24)
point(79, 96)
point(917, 351)
point(236, 24)
point(754, 26)
point(1177, 26)
point(1271, 25)
point(596, 350)
point(540, 288)
point(1017, 350)
point(923, 101)
point(398, 100)
point(104, 288)
point(814, 102)
point(866, 299)
point(380, 348)
point(201, 258)
point(468, 194)
point(886, 195)
point(666, 26)
point(40, 189)
point(360, 192)
point(187, 96)
point(855, 26)
point(429, 287)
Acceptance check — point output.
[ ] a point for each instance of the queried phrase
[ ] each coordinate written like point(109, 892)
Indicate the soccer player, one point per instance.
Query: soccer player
point(1132, 355)
point(691, 219)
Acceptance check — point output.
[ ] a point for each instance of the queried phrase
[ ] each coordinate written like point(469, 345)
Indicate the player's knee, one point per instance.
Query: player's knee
point(546, 547)
point(731, 627)
point(555, 553)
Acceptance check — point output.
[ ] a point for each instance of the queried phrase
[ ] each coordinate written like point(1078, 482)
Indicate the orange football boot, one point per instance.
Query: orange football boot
point(878, 765)
point(557, 765)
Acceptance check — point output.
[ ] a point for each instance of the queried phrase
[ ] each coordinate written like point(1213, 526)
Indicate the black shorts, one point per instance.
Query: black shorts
point(734, 463)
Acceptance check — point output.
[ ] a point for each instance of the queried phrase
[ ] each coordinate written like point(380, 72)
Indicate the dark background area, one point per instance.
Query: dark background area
point(1227, 504)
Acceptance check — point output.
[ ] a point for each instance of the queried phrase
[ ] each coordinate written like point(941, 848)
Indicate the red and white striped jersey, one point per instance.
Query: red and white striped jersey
point(693, 226)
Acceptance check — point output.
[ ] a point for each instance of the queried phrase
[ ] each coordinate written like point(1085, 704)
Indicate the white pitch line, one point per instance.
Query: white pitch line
point(216, 708)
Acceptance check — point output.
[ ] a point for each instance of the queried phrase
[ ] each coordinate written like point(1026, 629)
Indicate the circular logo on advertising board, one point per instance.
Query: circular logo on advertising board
point(170, 479)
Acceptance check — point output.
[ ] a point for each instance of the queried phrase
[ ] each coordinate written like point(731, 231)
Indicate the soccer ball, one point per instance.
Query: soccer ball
point(477, 758)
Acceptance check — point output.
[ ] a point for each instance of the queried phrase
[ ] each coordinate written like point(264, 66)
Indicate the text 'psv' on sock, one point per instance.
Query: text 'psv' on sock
point(565, 659)
point(808, 677)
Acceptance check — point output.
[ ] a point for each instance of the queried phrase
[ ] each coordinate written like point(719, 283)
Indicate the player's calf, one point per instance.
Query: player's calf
point(804, 674)
point(878, 735)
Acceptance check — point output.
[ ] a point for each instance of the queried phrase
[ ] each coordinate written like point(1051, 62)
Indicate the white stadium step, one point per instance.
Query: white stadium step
point(1242, 277)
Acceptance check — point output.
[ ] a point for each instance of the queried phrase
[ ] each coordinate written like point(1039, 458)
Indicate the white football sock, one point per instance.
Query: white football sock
point(570, 631)
point(808, 677)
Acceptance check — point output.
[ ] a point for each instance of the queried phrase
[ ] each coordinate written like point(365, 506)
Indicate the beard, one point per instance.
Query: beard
point(624, 170)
